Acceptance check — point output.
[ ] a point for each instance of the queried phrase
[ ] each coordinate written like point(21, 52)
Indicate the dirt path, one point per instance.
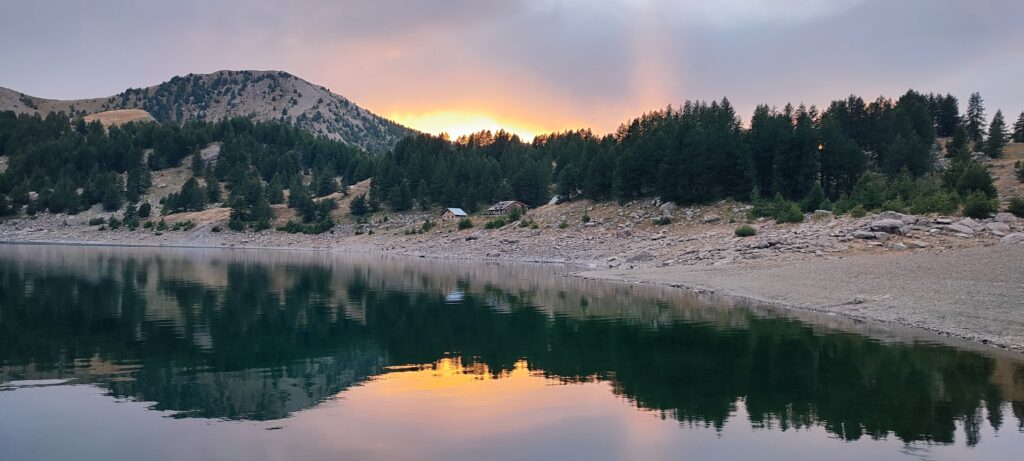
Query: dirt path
point(974, 293)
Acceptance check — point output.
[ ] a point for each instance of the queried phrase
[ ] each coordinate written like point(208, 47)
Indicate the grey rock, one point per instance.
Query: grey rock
point(891, 226)
point(897, 246)
point(711, 218)
point(1006, 218)
point(998, 228)
point(974, 225)
point(957, 228)
point(1013, 239)
point(668, 208)
point(919, 244)
point(864, 235)
point(904, 218)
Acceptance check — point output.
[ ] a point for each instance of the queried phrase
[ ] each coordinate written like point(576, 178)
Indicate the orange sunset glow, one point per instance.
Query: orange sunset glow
point(458, 123)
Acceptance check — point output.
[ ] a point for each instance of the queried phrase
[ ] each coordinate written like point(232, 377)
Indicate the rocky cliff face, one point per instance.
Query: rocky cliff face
point(262, 95)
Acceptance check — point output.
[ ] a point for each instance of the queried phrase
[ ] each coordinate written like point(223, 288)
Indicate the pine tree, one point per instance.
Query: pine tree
point(212, 187)
point(64, 198)
point(358, 205)
point(996, 136)
point(275, 190)
point(957, 146)
point(198, 167)
point(1018, 129)
point(113, 195)
point(974, 119)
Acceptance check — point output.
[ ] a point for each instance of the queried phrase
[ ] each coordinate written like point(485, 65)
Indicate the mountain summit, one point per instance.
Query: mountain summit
point(261, 95)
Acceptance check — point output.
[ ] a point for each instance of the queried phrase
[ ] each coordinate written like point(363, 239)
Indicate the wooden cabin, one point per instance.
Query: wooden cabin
point(453, 213)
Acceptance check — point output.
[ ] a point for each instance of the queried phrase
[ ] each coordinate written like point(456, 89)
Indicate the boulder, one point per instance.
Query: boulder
point(904, 218)
point(998, 228)
point(957, 228)
point(891, 226)
point(821, 215)
point(864, 235)
point(668, 207)
point(1006, 218)
point(974, 225)
point(643, 255)
point(711, 218)
point(1013, 239)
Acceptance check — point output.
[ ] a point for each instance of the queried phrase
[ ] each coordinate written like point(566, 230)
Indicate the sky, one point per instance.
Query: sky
point(529, 66)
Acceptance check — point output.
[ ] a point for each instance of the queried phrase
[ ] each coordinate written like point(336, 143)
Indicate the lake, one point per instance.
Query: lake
point(189, 354)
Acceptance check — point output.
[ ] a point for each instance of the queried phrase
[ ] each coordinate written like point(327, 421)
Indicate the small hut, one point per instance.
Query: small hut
point(453, 213)
point(505, 208)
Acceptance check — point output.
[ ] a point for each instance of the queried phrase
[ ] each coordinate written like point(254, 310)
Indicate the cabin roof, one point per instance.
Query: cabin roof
point(457, 212)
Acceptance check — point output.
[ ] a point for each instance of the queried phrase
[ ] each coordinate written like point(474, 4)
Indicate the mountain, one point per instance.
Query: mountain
point(262, 95)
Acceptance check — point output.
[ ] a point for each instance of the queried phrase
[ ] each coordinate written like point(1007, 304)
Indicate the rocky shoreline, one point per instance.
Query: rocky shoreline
point(698, 250)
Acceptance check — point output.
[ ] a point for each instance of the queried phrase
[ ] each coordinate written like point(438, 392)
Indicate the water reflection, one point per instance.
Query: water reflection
point(250, 336)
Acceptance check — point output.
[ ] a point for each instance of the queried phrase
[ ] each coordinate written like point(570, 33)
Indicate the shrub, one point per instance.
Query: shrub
point(813, 199)
point(662, 221)
point(147, 225)
point(97, 221)
point(114, 223)
point(563, 225)
point(1018, 170)
point(858, 211)
point(319, 227)
point(745, 231)
point(515, 214)
point(215, 229)
point(979, 206)
point(465, 223)
point(496, 223)
point(586, 217)
point(1016, 206)
point(528, 223)
point(788, 212)
point(896, 205)
point(236, 225)
point(145, 209)
point(162, 225)
point(870, 191)
point(427, 225)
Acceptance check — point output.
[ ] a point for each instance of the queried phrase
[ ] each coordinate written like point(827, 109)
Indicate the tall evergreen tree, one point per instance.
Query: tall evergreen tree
point(1018, 129)
point(974, 119)
point(996, 136)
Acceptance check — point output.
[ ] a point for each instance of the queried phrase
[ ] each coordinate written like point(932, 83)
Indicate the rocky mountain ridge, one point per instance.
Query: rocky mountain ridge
point(262, 95)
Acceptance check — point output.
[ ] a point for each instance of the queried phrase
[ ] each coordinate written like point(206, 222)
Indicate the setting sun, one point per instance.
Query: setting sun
point(458, 123)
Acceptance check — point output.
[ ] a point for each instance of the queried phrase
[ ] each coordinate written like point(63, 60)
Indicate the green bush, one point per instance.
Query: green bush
point(662, 221)
point(214, 229)
point(496, 223)
point(97, 221)
point(465, 223)
point(318, 227)
point(782, 210)
point(745, 231)
point(870, 191)
point(788, 212)
point(813, 199)
point(979, 206)
point(114, 223)
point(1016, 206)
point(1018, 170)
point(563, 225)
point(234, 224)
point(896, 205)
point(586, 217)
point(427, 225)
point(858, 211)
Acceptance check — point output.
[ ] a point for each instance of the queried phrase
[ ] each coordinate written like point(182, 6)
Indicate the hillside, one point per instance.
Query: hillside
point(263, 95)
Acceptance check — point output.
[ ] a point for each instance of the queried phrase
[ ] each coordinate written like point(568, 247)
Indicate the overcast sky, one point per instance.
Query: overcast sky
point(534, 65)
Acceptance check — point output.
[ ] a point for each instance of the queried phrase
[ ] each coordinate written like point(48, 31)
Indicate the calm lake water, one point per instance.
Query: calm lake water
point(249, 355)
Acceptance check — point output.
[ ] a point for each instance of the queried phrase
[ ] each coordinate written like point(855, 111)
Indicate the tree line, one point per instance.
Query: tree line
point(882, 153)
